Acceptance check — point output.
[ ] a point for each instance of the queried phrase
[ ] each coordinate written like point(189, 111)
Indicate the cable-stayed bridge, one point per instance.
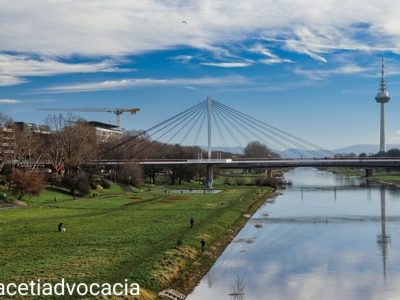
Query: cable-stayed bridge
point(214, 122)
point(219, 123)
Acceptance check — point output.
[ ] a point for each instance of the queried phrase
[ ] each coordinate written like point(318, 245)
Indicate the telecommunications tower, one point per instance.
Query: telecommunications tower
point(382, 97)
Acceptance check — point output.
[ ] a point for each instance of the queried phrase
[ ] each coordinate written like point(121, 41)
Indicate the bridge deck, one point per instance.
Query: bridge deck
point(267, 163)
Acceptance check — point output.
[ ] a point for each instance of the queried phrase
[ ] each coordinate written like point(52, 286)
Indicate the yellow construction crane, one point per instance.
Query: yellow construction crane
point(117, 111)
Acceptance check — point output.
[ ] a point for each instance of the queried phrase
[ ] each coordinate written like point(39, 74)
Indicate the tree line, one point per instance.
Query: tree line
point(69, 144)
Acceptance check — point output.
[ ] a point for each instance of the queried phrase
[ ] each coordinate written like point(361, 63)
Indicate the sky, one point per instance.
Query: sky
point(309, 67)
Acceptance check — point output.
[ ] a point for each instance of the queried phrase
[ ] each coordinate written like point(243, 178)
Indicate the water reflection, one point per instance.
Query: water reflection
point(210, 276)
point(328, 241)
point(237, 288)
point(383, 239)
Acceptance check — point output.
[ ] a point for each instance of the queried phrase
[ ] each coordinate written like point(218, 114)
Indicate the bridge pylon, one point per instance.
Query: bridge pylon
point(210, 176)
point(210, 168)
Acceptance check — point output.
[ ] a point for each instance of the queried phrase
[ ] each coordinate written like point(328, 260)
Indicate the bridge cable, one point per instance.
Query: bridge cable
point(291, 141)
point(172, 122)
point(180, 120)
point(246, 137)
point(231, 133)
point(250, 125)
point(184, 126)
point(280, 130)
point(267, 137)
point(199, 130)
point(122, 143)
point(284, 145)
point(194, 123)
point(219, 131)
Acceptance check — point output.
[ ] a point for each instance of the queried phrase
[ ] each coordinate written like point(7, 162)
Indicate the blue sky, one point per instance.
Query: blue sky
point(309, 68)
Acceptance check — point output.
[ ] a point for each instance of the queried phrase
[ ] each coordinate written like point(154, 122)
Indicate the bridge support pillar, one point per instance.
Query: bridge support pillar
point(210, 176)
point(368, 172)
point(269, 173)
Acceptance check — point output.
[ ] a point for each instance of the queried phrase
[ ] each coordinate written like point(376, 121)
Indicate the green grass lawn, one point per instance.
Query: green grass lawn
point(386, 178)
point(379, 175)
point(114, 236)
point(347, 171)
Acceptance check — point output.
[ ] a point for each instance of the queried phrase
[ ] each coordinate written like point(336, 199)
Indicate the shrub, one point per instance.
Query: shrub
point(240, 181)
point(54, 179)
point(78, 184)
point(271, 182)
point(3, 196)
point(26, 182)
point(227, 181)
point(105, 184)
point(131, 174)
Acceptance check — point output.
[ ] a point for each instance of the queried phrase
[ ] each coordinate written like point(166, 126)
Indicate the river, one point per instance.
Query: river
point(325, 237)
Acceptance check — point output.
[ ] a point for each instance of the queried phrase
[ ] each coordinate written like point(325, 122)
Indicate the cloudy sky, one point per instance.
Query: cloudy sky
point(309, 67)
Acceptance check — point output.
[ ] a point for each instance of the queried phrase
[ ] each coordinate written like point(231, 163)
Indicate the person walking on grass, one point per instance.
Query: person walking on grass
point(203, 243)
point(191, 222)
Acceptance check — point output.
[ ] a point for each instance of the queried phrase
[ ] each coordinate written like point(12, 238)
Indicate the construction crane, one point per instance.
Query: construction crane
point(117, 111)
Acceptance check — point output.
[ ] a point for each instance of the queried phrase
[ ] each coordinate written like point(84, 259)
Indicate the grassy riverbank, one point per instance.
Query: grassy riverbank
point(119, 236)
point(377, 175)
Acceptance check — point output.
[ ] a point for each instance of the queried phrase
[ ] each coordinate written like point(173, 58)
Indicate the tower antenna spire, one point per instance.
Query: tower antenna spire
point(383, 82)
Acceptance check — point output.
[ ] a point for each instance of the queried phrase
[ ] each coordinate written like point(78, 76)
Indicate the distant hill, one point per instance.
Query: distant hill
point(357, 149)
point(235, 150)
point(363, 148)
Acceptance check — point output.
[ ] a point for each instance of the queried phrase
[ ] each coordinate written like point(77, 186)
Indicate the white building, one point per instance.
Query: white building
point(105, 132)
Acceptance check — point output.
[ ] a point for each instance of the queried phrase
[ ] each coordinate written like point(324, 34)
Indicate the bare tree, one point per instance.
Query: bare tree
point(80, 144)
point(257, 150)
point(53, 142)
point(26, 182)
point(72, 142)
point(4, 119)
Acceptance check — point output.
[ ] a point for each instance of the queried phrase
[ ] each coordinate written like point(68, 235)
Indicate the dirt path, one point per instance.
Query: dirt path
point(6, 205)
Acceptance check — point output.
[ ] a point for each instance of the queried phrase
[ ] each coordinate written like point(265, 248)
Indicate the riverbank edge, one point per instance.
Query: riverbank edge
point(190, 276)
point(370, 179)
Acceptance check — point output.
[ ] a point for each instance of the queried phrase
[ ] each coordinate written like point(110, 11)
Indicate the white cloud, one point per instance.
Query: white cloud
point(143, 82)
point(272, 61)
point(7, 80)
point(14, 68)
point(260, 49)
point(228, 64)
point(182, 58)
point(271, 57)
point(395, 138)
point(9, 101)
point(320, 74)
point(120, 27)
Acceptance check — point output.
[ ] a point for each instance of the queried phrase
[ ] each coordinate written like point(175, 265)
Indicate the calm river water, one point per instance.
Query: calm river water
point(327, 237)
